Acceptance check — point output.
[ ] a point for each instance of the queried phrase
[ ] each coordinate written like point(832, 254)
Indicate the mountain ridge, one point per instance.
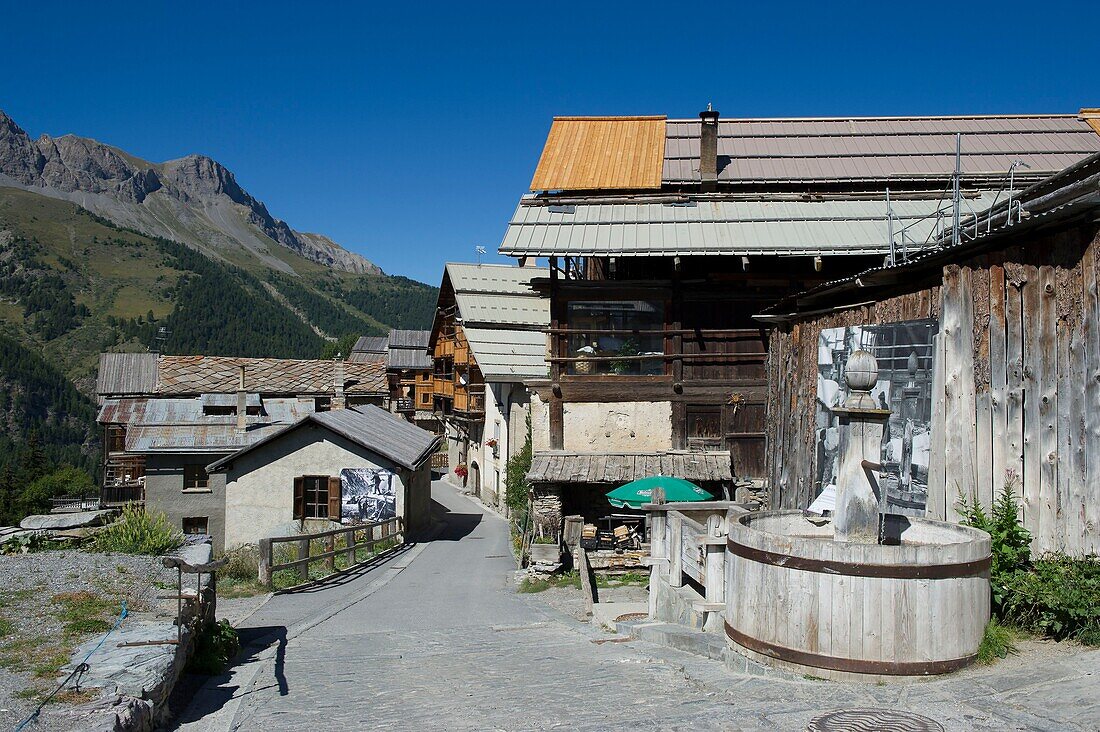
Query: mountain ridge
point(193, 199)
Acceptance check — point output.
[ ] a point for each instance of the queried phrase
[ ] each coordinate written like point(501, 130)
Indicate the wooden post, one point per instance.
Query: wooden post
point(265, 563)
point(586, 578)
point(329, 545)
point(715, 571)
point(349, 538)
point(675, 551)
point(658, 548)
point(303, 553)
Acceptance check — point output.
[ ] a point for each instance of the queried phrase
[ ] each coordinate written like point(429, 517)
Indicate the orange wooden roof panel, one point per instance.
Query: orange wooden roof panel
point(602, 153)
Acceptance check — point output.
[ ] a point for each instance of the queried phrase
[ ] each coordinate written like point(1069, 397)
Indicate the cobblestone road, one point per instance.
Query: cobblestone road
point(444, 643)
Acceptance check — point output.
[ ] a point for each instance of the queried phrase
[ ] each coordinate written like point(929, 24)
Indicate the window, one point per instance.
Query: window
point(317, 496)
point(322, 404)
point(195, 525)
point(426, 398)
point(219, 410)
point(116, 438)
point(629, 329)
point(195, 478)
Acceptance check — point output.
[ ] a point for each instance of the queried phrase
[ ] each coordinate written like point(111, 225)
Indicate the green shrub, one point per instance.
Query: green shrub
point(139, 532)
point(1010, 543)
point(216, 644)
point(1055, 595)
point(242, 564)
point(515, 479)
point(1058, 596)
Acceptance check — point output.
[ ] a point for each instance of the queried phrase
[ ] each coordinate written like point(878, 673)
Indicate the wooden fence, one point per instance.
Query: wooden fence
point(1016, 392)
point(358, 536)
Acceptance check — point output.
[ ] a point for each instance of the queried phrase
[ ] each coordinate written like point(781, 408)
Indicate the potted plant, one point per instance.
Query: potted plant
point(491, 443)
point(461, 471)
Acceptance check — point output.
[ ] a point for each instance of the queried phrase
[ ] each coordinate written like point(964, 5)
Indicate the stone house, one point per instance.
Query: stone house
point(165, 418)
point(488, 338)
point(298, 477)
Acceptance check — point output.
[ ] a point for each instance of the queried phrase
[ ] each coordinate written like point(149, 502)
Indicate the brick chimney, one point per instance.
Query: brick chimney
point(242, 402)
point(338, 383)
point(708, 150)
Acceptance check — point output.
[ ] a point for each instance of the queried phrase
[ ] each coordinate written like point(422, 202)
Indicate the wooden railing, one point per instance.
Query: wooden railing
point(75, 504)
point(440, 461)
point(357, 536)
point(117, 495)
point(689, 540)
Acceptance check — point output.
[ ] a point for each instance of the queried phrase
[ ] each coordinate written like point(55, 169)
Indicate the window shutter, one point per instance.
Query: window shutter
point(334, 499)
point(299, 498)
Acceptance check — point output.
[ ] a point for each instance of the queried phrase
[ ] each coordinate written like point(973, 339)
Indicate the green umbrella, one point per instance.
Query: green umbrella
point(638, 492)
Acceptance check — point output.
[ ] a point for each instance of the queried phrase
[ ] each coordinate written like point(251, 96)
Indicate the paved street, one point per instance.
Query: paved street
point(436, 638)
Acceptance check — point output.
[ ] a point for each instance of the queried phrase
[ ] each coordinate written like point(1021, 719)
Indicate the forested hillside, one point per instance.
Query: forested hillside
point(73, 285)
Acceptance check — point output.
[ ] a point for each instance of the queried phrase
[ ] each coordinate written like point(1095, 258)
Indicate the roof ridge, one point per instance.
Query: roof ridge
point(888, 118)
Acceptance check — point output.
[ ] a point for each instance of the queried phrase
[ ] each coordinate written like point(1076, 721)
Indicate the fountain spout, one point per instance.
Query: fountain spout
point(860, 500)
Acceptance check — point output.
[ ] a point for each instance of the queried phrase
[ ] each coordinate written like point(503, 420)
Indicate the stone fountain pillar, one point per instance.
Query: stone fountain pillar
point(860, 500)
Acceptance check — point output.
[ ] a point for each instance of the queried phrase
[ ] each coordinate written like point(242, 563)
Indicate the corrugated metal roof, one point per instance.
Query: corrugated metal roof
point(371, 427)
point(879, 149)
point(615, 468)
point(587, 153)
point(508, 355)
point(721, 227)
point(498, 294)
point(126, 373)
point(371, 344)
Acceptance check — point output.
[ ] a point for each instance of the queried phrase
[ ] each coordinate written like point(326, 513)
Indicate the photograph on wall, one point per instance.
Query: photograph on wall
point(905, 353)
point(367, 494)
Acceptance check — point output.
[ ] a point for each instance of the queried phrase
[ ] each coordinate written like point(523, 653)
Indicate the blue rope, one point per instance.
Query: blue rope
point(80, 669)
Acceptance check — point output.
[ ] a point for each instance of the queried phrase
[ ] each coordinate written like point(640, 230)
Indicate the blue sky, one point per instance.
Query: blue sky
point(407, 131)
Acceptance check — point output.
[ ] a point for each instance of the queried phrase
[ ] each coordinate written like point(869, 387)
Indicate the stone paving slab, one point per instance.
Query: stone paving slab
point(447, 644)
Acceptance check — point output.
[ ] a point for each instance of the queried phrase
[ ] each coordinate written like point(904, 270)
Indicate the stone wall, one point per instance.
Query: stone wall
point(617, 427)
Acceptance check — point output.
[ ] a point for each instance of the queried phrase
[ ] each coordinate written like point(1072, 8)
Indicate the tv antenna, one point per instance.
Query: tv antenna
point(480, 252)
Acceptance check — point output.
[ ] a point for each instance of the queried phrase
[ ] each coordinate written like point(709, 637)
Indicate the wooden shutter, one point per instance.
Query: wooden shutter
point(299, 498)
point(334, 499)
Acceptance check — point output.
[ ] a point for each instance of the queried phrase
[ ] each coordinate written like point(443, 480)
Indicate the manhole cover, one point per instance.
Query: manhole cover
point(873, 720)
point(631, 616)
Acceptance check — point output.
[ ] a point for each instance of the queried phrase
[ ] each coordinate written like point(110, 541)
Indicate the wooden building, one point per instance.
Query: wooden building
point(1015, 368)
point(409, 370)
point(487, 339)
point(666, 237)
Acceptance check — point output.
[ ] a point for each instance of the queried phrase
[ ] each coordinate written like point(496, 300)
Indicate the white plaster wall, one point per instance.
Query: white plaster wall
point(540, 424)
point(259, 491)
point(617, 427)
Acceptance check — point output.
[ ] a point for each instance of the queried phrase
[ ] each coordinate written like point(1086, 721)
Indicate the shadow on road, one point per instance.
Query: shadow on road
point(455, 525)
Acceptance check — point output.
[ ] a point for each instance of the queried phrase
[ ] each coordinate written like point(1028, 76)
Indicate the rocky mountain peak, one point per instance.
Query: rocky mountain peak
point(192, 187)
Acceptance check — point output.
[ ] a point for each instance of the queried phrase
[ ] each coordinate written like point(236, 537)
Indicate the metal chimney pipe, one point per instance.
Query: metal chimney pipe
point(708, 150)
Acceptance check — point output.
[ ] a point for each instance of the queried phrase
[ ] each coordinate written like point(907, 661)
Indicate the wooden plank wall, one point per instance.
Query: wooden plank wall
point(1017, 388)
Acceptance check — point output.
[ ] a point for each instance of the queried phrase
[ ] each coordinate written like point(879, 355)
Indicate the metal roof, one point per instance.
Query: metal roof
point(879, 148)
point(173, 424)
point(409, 350)
point(371, 345)
point(502, 318)
point(126, 373)
point(490, 294)
point(509, 355)
point(368, 426)
point(613, 468)
point(720, 226)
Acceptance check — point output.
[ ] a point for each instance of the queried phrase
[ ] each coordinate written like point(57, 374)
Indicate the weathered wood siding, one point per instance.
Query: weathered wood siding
point(1016, 389)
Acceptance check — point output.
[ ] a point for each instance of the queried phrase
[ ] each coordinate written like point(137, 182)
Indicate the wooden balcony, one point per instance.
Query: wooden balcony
point(119, 495)
point(405, 405)
point(470, 401)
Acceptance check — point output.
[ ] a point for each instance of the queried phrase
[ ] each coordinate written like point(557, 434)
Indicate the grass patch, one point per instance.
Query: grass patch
point(998, 641)
point(83, 613)
point(139, 532)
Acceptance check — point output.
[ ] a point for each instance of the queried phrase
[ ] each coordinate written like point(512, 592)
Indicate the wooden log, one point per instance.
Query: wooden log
point(998, 378)
point(958, 320)
point(1033, 364)
point(265, 562)
point(936, 506)
point(1014, 408)
point(983, 449)
point(1048, 409)
point(328, 544)
point(303, 556)
point(1091, 410)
